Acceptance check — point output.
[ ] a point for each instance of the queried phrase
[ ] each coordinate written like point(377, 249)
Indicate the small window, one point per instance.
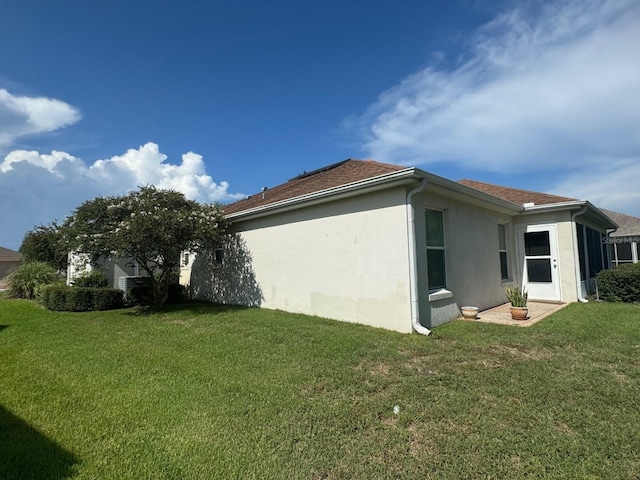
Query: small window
point(436, 270)
point(185, 259)
point(502, 249)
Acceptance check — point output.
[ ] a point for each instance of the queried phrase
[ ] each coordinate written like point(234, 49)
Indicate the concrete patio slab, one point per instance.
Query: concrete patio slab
point(502, 316)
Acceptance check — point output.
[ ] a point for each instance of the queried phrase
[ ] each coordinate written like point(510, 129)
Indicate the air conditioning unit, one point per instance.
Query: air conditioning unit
point(127, 283)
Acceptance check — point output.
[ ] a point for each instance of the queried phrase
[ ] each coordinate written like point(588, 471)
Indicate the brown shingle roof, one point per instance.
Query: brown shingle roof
point(628, 225)
point(516, 195)
point(7, 255)
point(331, 176)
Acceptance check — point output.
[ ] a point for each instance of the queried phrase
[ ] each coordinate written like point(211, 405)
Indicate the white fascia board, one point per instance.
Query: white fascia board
point(571, 205)
point(400, 177)
point(552, 207)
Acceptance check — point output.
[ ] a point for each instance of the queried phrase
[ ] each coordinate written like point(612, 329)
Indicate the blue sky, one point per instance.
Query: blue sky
point(218, 99)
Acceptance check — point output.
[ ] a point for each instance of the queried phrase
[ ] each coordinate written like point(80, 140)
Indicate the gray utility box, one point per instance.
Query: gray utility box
point(127, 283)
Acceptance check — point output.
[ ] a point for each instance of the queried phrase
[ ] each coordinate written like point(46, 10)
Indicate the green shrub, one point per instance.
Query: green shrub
point(81, 299)
point(620, 284)
point(140, 295)
point(28, 279)
point(93, 279)
point(107, 299)
point(54, 297)
point(177, 293)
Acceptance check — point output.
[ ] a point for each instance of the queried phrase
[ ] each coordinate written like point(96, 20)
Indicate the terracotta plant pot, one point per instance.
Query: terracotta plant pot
point(519, 313)
point(470, 313)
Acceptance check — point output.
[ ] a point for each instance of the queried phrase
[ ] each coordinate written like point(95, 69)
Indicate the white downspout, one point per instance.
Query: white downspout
point(413, 264)
point(576, 253)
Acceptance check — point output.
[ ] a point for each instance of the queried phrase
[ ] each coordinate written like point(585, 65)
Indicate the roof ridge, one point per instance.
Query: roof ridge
point(479, 184)
point(338, 174)
point(326, 168)
point(512, 188)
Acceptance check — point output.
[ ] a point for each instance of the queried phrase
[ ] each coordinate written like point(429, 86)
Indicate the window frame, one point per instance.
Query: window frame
point(505, 251)
point(436, 248)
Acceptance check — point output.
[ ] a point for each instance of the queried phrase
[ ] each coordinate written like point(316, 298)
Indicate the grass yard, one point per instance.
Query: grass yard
point(205, 392)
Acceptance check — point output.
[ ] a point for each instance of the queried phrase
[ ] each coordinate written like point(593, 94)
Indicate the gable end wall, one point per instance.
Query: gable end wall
point(346, 260)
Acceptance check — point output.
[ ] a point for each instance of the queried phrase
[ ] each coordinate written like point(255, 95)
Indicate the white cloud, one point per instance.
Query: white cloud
point(20, 116)
point(48, 162)
point(610, 185)
point(40, 188)
point(546, 88)
point(147, 165)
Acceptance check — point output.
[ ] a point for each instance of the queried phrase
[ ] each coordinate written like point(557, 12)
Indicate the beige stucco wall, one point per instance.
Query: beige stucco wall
point(346, 260)
point(472, 258)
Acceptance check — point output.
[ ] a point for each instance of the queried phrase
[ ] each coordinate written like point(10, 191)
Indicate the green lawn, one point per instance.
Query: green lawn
point(203, 392)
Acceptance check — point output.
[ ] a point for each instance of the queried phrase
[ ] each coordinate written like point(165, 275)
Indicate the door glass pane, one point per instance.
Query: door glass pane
point(435, 267)
point(536, 244)
point(539, 270)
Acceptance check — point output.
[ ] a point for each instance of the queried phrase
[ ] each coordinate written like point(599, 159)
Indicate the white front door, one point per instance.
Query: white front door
point(538, 252)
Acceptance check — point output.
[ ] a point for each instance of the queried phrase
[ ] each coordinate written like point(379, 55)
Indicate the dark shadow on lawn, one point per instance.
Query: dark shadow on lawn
point(2, 327)
point(191, 307)
point(27, 453)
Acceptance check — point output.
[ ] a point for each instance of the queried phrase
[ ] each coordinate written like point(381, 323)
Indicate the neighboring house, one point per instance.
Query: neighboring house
point(186, 264)
point(625, 240)
point(400, 248)
point(112, 268)
point(9, 259)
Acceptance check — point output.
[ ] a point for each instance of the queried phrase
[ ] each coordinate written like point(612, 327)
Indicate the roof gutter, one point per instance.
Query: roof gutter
point(582, 204)
point(413, 264)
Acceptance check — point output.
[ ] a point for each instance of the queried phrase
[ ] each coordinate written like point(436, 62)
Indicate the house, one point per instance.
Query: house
point(112, 268)
point(625, 240)
point(400, 248)
point(9, 259)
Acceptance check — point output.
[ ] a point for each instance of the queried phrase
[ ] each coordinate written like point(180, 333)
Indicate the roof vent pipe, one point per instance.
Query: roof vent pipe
point(413, 264)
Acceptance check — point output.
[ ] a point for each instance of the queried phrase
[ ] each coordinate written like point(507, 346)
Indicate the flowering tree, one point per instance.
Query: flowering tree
point(150, 226)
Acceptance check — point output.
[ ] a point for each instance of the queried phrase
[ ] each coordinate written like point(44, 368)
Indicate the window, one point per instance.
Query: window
point(502, 249)
point(594, 251)
point(590, 251)
point(581, 251)
point(185, 259)
point(622, 253)
point(218, 256)
point(436, 276)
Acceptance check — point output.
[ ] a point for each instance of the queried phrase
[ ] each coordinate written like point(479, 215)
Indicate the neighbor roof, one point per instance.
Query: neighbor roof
point(516, 195)
point(335, 175)
point(7, 255)
point(628, 225)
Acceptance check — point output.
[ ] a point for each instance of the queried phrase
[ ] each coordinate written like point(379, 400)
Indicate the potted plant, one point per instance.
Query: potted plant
point(518, 298)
